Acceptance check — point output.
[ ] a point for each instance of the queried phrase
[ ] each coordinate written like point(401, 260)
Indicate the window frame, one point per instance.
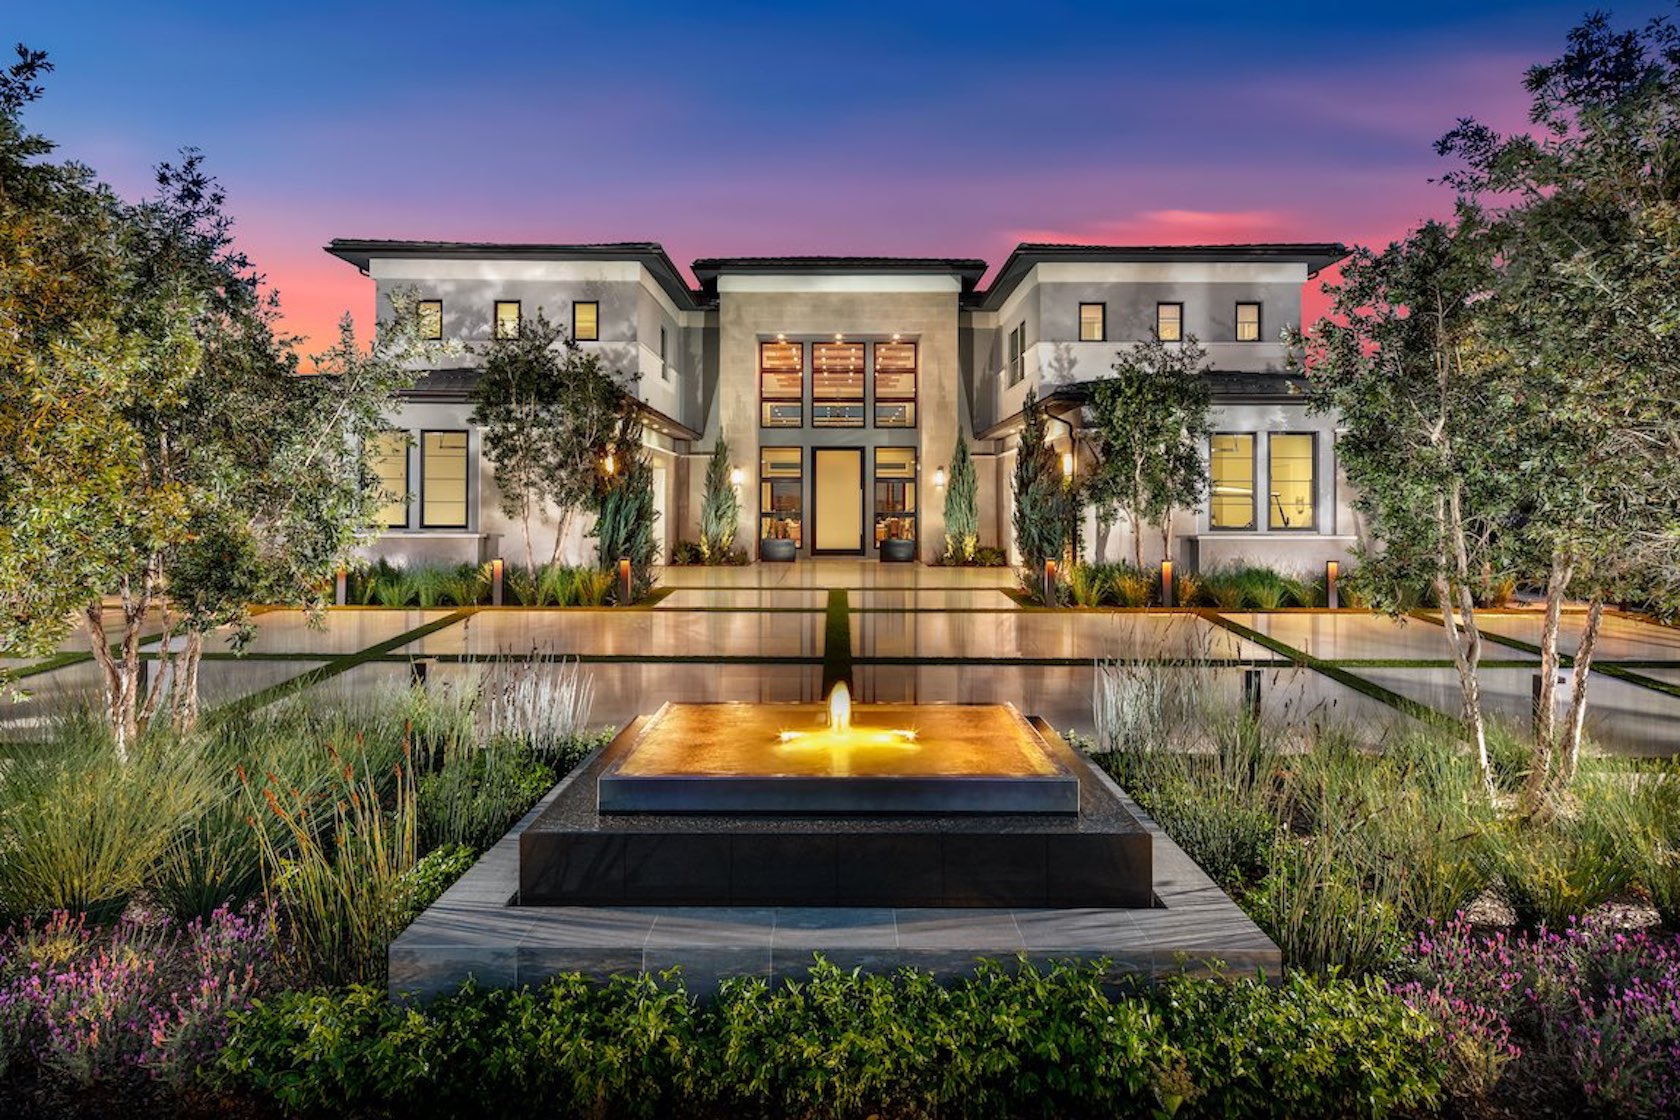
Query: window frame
point(466, 479)
point(496, 318)
point(911, 486)
point(1159, 304)
point(1259, 320)
point(1312, 525)
point(664, 354)
point(913, 399)
point(802, 456)
point(406, 500)
point(420, 320)
point(764, 402)
point(1253, 525)
point(1018, 353)
point(1102, 320)
point(596, 304)
point(862, 399)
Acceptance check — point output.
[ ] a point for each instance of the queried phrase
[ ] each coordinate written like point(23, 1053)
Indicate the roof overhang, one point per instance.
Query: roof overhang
point(1315, 255)
point(966, 271)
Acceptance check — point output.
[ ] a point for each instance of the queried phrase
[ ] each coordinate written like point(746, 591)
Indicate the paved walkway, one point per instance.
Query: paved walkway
point(915, 634)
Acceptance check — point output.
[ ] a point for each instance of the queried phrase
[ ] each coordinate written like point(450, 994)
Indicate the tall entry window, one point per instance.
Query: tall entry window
point(1293, 503)
point(443, 480)
point(1231, 467)
point(837, 385)
point(895, 384)
point(781, 494)
point(387, 456)
point(895, 494)
point(781, 384)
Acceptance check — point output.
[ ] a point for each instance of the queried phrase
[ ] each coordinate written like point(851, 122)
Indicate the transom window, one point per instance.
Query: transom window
point(837, 385)
point(1169, 322)
point(781, 384)
point(1293, 502)
point(443, 480)
point(781, 494)
point(507, 318)
point(387, 455)
point(1231, 472)
point(586, 321)
point(430, 314)
point(1093, 322)
point(895, 494)
point(1248, 322)
point(895, 384)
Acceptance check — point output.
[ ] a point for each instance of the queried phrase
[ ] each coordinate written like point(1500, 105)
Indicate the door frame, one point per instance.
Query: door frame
point(816, 510)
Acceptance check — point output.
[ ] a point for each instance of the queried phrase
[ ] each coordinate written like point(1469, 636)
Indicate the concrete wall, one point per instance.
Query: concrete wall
point(922, 309)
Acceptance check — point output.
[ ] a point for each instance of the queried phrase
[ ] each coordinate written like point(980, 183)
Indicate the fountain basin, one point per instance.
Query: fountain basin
point(885, 758)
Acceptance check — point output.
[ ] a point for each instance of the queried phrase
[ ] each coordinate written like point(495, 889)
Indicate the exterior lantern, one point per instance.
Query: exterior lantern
point(1067, 465)
point(737, 477)
point(939, 477)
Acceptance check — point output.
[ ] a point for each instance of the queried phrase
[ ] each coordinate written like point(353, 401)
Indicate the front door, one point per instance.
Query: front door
point(838, 490)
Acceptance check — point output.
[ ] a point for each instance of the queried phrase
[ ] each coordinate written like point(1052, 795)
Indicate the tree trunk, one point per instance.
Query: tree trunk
point(1545, 719)
point(1570, 754)
point(185, 707)
point(530, 553)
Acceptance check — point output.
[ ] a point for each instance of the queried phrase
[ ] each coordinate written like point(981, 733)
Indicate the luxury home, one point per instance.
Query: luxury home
point(842, 383)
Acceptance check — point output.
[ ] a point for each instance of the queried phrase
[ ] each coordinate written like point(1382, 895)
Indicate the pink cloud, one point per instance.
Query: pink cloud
point(1170, 227)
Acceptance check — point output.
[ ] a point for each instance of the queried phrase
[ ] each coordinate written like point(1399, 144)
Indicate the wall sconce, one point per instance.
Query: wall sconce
point(939, 477)
point(737, 477)
point(1067, 465)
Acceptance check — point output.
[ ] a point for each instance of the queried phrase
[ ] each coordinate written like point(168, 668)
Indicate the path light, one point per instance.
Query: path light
point(624, 588)
point(497, 573)
point(939, 477)
point(1332, 593)
point(1049, 583)
point(1167, 584)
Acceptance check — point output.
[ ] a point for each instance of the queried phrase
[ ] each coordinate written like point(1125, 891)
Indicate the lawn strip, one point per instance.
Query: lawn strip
point(1608, 668)
point(335, 667)
point(1413, 708)
point(837, 642)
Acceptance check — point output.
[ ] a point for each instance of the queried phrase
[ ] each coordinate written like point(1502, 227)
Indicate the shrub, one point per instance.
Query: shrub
point(687, 552)
point(1321, 913)
point(1654, 809)
point(477, 793)
point(986, 556)
point(1567, 867)
point(1087, 584)
point(431, 875)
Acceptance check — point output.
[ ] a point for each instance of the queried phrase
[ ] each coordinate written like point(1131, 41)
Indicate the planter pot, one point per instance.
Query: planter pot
point(896, 550)
point(773, 551)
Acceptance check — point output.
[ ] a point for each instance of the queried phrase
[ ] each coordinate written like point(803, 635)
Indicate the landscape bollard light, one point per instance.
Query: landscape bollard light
point(1251, 693)
point(1332, 593)
point(624, 582)
point(341, 587)
point(1167, 596)
point(498, 584)
point(1049, 583)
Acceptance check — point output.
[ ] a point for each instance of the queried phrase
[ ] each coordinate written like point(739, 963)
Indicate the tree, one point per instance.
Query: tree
point(624, 506)
point(1584, 233)
point(1150, 424)
point(588, 412)
point(720, 508)
point(158, 444)
point(1040, 497)
point(517, 408)
point(1425, 430)
point(962, 521)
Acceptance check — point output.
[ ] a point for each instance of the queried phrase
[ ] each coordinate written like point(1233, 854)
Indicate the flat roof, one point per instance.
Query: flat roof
point(1316, 255)
point(650, 254)
point(967, 269)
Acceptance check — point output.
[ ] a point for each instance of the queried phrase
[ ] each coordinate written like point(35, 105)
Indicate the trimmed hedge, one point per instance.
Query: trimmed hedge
point(1027, 1043)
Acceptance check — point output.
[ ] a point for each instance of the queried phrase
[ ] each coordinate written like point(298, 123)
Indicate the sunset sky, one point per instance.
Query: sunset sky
point(752, 128)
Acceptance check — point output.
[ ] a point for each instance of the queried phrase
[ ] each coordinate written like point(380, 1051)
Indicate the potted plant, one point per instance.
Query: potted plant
point(898, 546)
point(778, 545)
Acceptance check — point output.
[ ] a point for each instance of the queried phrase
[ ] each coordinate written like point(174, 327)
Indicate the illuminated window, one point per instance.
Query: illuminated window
point(1293, 503)
point(837, 385)
point(1093, 322)
point(1248, 322)
point(1169, 322)
point(781, 494)
point(430, 314)
point(388, 459)
point(443, 480)
point(895, 494)
point(1231, 472)
point(781, 384)
point(507, 318)
point(895, 384)
point(586, 321)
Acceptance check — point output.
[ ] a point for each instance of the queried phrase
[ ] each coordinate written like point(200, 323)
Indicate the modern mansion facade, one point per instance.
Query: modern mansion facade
point(841, 384)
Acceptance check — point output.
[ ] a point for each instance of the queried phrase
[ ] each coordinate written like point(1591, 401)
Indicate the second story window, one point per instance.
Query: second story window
point(1169, 322)
point(430, 314)
point(781, 384)
point(507, 318)
point(895, 384)
point(664, 355)
point(1248, 322)
point(1093, 322)
point(586, 321)
point(837, 385)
